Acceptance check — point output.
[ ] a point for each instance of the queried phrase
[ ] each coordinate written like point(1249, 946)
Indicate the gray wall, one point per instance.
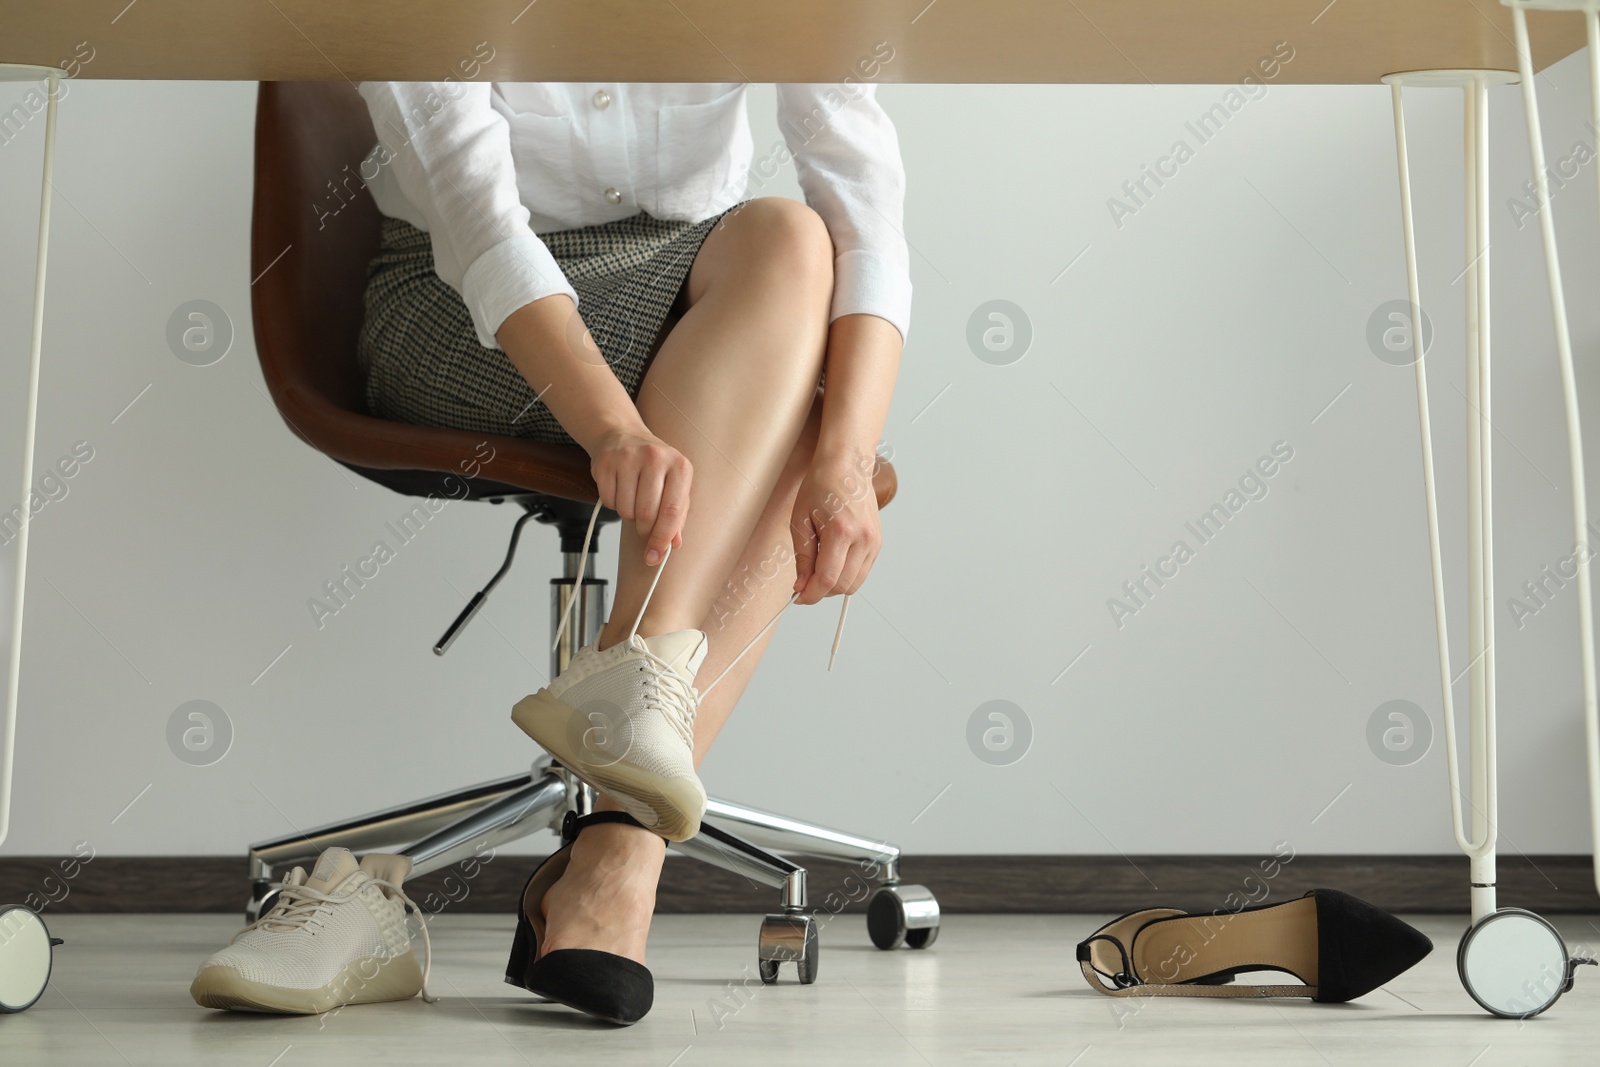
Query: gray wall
point(1220, 318)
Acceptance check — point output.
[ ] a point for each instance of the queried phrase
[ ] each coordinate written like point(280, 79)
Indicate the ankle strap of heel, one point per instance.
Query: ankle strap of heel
point(575, 824)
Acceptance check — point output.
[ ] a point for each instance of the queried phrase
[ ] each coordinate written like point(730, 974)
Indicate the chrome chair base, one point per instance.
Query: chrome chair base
point(464, 828)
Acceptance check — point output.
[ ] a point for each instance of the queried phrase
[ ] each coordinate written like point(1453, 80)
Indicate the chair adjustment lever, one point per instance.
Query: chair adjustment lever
point(476, 603)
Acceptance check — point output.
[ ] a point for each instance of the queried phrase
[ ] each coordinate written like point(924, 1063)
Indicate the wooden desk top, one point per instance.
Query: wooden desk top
point(1086, 41)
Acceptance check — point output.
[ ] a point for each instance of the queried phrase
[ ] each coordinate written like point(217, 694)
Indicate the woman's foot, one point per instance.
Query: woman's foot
point(606, 896)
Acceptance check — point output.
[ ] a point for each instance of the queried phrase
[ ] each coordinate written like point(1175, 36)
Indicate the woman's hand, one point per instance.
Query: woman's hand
point(835, 525)
point(646, 481)
point(640, 476)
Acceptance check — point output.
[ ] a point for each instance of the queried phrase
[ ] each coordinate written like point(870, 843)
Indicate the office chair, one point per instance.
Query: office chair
point(314, 229)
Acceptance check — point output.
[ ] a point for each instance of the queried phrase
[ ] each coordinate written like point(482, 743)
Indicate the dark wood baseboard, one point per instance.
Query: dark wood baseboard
point(1015, 884)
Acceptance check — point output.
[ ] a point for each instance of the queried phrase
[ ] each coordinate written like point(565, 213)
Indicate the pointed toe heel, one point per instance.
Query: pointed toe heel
point(1338, 946)
point(606, 986)
point(1360, 947)
point(603, 984)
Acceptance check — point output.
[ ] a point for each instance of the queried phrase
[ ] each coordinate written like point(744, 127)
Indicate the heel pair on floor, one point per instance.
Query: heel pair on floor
point(1340, 947)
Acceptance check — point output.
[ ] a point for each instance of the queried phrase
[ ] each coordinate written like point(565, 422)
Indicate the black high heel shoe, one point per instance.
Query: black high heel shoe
point(602, 984)
point(1339, 946)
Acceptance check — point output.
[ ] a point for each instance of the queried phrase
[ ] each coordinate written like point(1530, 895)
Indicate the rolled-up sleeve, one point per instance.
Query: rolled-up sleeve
point(450, 152)
point(847, 157)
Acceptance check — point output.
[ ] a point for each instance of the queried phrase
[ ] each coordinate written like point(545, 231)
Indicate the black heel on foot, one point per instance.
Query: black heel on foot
point(602, 984)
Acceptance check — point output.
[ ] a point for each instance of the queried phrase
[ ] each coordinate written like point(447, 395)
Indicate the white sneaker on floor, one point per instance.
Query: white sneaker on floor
point(336, 936)
point(622, 720)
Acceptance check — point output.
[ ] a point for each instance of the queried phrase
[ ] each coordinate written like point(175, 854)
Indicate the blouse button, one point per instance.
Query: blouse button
point(612, 196)
point(602, 99)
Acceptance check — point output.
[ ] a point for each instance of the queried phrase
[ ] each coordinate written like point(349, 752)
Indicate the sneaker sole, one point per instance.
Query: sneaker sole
point(671, 807)
point(396, 978)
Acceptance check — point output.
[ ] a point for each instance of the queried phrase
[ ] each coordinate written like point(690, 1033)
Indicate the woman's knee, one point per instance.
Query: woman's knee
point(792, 234)
point(770, 237)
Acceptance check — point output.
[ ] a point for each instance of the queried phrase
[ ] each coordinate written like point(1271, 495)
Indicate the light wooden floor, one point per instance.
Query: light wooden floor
point(995, 989)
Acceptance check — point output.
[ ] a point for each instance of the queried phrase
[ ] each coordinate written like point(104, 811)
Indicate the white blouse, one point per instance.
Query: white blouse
point(485, 167)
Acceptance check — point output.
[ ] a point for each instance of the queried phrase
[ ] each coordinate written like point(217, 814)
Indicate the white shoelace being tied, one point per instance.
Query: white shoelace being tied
point(661, 668)
point(682, 703)
point(300, 906)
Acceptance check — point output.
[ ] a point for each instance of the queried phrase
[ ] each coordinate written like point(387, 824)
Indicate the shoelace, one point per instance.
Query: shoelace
point(299, 906)
point(583, 560)
point(662, 676)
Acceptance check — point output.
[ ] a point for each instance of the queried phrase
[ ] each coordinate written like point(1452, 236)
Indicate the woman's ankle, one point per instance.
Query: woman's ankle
point(624, 840)
point(619, 844)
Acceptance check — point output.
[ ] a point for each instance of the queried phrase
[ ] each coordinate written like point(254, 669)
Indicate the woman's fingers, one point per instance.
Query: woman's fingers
point(841, 564)
point(670, 509)
point(856, 566)
point(831, 557)
point(627, 488)
point(647, 496)
point(805, 552)
point(836, 535)
point(871, 544)
point(646, 481)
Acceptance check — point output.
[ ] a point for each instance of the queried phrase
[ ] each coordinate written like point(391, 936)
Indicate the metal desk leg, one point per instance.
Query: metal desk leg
point(25, 970)
point(13, 72)
point(1480, 846)
point(1511, 961)
point(1569, 388)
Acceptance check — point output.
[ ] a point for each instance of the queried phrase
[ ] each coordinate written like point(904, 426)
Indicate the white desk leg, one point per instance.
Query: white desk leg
point(1569, 392)
point(13, 676)
point(1511, 961)
point(1480, 845)
point(1480, 506)
point(1591, 717)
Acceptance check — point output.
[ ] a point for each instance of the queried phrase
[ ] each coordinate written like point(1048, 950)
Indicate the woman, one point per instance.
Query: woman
point(578, 263)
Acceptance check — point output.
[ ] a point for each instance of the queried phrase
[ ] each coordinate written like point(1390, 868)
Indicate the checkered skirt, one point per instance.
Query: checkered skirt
point(421, 353)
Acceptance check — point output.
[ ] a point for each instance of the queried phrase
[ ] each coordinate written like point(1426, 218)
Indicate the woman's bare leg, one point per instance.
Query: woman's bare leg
point(732, 388)
point(755, 590)
point(623, 863)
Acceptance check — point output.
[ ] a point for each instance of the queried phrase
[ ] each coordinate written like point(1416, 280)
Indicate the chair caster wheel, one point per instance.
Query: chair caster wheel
point(902, 914)
point(1514, 963)
point(790, 936)
point(263, 895)
point(27, 952)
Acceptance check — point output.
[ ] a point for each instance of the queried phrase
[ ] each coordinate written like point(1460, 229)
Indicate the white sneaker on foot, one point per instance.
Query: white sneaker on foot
point(336, 936)
point(622, 719)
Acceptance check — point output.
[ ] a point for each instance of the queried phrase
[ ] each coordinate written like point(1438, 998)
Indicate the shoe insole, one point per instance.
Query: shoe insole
point(1282, 938)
